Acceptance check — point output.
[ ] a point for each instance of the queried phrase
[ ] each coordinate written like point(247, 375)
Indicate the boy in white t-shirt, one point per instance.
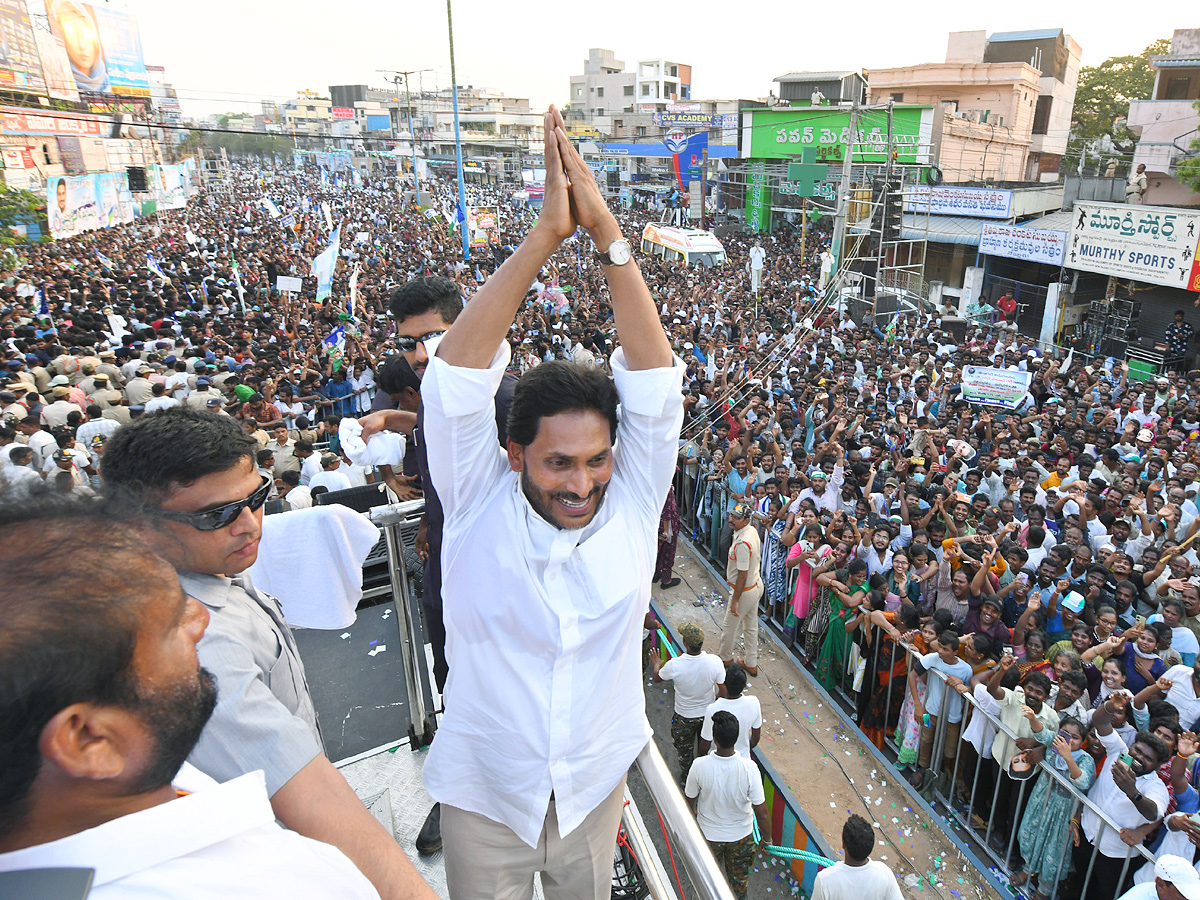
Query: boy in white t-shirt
point(699, 678)
point(858, 877)
point(725, 791)
point(746, 709)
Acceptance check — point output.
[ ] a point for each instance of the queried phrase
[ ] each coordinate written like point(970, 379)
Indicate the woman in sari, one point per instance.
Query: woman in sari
point(908, 727)
point(817, 622)
point(804, 556)
point(775, 554)
point(882, 694)
point(845, 596)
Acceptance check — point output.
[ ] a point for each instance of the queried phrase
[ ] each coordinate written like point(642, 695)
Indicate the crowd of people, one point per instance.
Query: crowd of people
point(1038, 558)
point(918, 546)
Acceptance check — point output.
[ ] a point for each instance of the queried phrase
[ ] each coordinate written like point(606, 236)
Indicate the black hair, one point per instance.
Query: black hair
point(147, 459)
point(725, 729)
point(1073, 677)
point(735, 681)
point(1162, 709)
point(558, 387)
point(70, 589)
point(394, 374)
point(1172, 725)
point(262, 456)
point(1039, 679)
point(291, 478)
point(1155, 744)
point(424, 294)
point(858, 838)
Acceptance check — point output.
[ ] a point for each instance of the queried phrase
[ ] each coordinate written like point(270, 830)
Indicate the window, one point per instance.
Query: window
point(599, 110)
point(599, 92)
point(629, 90)
point(1041, 115)
point(1177, 88)
point(618, 123)
point(639, 131)
point(898, 98)
point(578, 92)
point(674, 71)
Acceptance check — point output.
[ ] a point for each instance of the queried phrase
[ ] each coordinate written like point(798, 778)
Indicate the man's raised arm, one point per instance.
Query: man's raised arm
point(472, 341)
point(641, 333)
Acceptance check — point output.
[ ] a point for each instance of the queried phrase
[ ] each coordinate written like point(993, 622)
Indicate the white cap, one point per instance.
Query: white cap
point(1180, 873)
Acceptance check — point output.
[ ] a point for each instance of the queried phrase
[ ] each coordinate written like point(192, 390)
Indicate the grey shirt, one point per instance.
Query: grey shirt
point(264, 717)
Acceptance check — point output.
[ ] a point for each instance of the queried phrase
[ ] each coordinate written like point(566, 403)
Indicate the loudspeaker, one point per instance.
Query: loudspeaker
point(137, 179)
point(955, 327)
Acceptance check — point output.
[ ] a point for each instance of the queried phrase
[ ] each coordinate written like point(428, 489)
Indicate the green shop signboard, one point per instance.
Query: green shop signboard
point(785, 132)
point(758, 198)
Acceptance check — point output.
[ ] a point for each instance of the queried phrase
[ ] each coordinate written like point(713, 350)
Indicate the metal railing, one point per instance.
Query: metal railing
point(706, 876)
point(973, 810)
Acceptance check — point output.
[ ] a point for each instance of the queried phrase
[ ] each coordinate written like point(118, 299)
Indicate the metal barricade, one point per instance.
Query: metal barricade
point(706, 876)
point(959, 782)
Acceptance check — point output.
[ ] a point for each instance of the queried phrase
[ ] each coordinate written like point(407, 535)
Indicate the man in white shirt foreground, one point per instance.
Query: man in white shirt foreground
point(1130, 793)
point(725, 791)
point(103, 699)
point(547, 555)
point(857, 877)
point(698, 677)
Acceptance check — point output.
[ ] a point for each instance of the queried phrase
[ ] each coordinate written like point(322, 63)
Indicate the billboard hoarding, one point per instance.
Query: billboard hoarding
point(20, 64)
point(1152, 244)
point(758, 198)
point(24, 121)
point(56, 68)
point(782, 133)
point(342, 112)
point(1005, 388)
point(71, 206)
point(959, 201)
point(1030, 244)
point(103, 46)
point(686, 120)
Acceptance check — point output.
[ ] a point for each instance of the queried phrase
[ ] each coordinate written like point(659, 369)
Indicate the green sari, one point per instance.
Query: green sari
point(831, 662)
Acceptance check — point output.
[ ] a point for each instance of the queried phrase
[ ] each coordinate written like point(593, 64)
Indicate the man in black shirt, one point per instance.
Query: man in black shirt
point(1178, 335)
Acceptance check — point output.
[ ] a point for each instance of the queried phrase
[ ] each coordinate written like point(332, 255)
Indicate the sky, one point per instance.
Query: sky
point(223, 55)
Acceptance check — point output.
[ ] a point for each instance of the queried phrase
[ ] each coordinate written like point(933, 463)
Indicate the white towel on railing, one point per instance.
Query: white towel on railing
point(384, 448)
point(311, 561)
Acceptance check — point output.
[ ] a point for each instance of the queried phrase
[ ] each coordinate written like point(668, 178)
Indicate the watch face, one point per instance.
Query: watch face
point(619, 252)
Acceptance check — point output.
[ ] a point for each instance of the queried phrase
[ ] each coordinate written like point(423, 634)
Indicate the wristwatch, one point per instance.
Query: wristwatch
point(619, 252)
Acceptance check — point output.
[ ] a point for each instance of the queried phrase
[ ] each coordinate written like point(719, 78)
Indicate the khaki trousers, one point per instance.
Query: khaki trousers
point(487, 861)
point(746, 620)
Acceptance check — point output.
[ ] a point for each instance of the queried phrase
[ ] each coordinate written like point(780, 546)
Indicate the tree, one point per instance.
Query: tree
point(1189, 169)
point(17, 207)
point(1104, 94)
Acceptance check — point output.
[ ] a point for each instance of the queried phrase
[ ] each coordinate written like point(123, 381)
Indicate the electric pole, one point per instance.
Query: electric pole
point(412, 135)
point(462, 200)
point(843, 206)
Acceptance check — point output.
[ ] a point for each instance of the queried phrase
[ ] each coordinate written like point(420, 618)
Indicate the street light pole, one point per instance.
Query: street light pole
point(462, 201)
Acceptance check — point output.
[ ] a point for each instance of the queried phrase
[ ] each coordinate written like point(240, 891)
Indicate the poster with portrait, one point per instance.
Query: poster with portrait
point(71, 206)
point(103, 45)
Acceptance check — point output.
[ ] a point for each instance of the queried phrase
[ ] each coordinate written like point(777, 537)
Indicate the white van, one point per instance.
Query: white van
point(689, 245)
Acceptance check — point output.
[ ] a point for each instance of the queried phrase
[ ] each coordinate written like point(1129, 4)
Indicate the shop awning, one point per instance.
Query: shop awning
point(1055, 221)
point(942, 229)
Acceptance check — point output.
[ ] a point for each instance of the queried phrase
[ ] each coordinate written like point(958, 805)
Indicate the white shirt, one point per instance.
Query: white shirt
point(310, 468)
point(299, 497)
point(696, 678)
point(871, 881)
point(335, 480)
point(748, 711)
point(1107, 796)
point(1182, 694)
point(757, 257)
point(221, 840)
point(726, 789)
point(163, 402)
point(545, 690)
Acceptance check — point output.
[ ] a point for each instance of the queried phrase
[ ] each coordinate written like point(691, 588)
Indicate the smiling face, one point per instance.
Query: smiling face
point(1112, 675)
point(566, 470)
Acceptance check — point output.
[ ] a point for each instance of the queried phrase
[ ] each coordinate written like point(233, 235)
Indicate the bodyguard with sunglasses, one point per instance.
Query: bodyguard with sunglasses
point(192, 476)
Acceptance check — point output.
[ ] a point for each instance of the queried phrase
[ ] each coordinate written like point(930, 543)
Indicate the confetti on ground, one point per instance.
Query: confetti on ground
point(345, 635)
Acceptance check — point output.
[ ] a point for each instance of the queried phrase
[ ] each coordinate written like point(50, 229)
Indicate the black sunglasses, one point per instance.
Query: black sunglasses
point(408, 344)
point(221, 516)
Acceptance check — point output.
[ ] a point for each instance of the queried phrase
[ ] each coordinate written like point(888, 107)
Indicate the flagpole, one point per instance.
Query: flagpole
point(462, 201)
